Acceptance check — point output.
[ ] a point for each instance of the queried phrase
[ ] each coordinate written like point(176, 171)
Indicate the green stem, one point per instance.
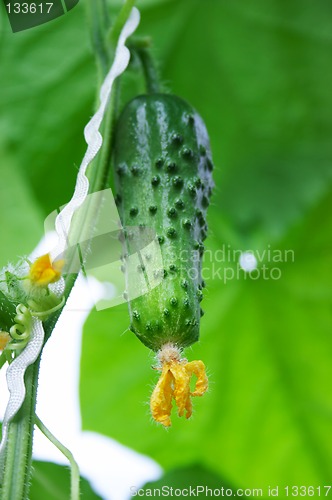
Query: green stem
point(18, 456)
point(98, 21)
point(100, 169)
point(120, 21)
point(149, 69)
point(74, 470)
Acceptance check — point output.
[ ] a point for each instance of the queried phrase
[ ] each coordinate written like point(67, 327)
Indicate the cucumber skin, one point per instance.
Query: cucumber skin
point(163, 175)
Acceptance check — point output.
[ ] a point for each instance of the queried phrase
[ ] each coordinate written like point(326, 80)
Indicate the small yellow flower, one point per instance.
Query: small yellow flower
point(4, 339)
point(174, 382)
point(43, 271)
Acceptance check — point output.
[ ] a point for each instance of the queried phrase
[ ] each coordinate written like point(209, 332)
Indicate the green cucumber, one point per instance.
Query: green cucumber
point(163, 176)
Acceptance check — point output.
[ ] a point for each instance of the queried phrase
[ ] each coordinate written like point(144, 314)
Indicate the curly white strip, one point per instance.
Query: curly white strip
point(15, 376)
point(93, 136)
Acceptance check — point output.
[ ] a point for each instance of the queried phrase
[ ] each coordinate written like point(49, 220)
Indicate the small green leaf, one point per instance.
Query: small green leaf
point(52, 481)
point(41, 123)
point(20, 217)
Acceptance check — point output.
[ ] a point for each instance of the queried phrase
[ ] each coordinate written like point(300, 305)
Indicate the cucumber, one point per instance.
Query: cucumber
point(163, 178)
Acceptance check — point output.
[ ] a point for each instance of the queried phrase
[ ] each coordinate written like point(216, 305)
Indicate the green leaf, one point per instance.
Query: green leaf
point(46, 99)
point(52, 481)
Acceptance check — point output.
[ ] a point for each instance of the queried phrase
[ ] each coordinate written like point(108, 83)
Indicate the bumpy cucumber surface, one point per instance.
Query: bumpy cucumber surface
point(163, 174)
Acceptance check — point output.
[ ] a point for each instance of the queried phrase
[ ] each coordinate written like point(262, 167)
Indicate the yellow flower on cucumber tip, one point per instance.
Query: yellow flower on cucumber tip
point(174, 383)
point(43, 271)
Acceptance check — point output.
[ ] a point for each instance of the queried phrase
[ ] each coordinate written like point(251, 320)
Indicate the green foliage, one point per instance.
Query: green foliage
point(20, 216)
point(53, 482)
point(40, 123)
point(259, 73)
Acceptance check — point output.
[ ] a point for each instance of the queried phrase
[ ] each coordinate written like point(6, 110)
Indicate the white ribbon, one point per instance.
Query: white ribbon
point(15, 377)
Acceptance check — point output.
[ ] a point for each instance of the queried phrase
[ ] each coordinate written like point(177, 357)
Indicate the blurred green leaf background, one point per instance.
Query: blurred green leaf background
point(259, 72)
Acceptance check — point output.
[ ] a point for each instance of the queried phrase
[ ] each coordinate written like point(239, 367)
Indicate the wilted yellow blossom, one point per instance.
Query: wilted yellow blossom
point(174, 383)
point(43, 271)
